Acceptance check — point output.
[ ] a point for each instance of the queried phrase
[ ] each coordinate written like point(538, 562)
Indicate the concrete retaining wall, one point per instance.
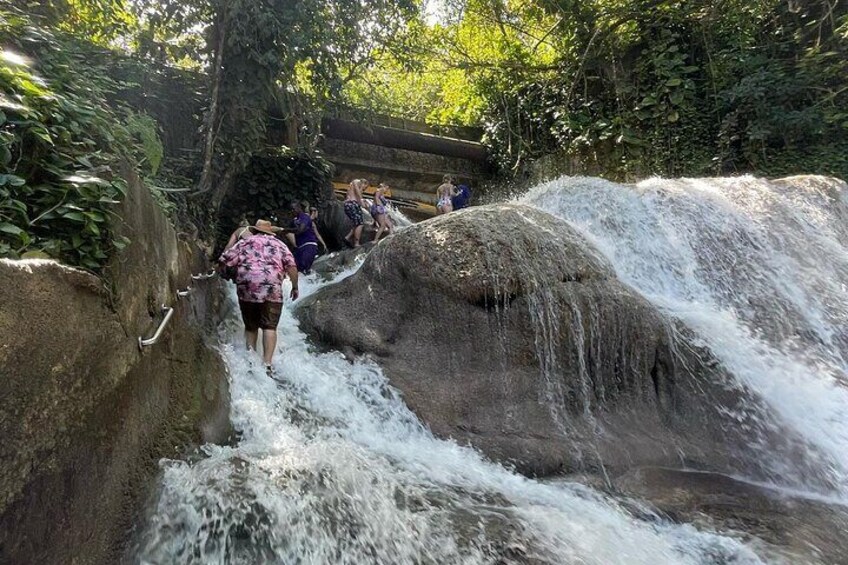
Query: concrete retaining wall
point(85, 415)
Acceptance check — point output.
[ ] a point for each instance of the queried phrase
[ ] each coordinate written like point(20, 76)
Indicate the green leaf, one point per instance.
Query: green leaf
point(6, 227)
point(11, 180)
point(76, 216)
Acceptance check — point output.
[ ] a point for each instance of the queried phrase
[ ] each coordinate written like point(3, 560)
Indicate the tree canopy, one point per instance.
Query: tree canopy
point(633, 87)
point(622, 88)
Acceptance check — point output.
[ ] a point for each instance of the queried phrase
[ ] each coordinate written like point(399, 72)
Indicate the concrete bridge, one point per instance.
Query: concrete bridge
point(411, 157)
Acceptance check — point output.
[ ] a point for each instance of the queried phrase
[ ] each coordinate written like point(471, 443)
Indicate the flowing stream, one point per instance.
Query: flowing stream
point(331, 467)
point(757, 269)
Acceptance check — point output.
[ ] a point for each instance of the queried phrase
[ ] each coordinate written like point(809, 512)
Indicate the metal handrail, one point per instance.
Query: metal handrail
point(181, 293)
point(204, 276)
point(169, 313)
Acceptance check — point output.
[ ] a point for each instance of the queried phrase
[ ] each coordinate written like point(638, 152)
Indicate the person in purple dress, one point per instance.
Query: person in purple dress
point(261, 263)
point(302, 237)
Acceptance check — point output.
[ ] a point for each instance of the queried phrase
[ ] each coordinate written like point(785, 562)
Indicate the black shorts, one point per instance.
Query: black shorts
point(353, 212)
point(264, 315)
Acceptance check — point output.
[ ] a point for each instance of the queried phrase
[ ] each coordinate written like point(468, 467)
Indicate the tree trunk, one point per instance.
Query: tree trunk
point(206, 177)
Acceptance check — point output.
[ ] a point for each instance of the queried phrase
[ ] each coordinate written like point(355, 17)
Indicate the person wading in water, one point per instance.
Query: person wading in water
point(241, 232)
point(261, 263)
point(303, 238)
point(353, 210)
point(444, 193)
point(380, 212)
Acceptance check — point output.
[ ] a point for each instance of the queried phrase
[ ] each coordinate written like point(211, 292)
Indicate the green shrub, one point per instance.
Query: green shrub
point(270, 183)
point(59, 139)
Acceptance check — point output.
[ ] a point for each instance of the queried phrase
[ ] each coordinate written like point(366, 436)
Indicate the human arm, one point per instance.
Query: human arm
point(286, 261)
point(232, 240)
point(230, 256)
point(292, 274)
point(318, 236)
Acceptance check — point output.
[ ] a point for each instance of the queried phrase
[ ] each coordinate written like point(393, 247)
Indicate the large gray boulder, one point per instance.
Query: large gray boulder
point(504, 329)
point(334, 225)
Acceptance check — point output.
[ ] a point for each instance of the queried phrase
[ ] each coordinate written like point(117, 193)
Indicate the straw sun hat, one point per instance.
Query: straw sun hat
point(263, 226)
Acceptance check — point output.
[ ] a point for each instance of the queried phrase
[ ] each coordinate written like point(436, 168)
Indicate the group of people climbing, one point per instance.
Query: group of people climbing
point(259, 257)
point(379, 210)
point(257, 260)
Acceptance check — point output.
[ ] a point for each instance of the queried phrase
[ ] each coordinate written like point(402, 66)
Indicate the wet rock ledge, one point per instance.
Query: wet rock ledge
point(84, 415)
point(504, 329)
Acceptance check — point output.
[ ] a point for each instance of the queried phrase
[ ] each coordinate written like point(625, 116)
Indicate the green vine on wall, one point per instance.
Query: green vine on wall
point(270, 182)
point(59, 141)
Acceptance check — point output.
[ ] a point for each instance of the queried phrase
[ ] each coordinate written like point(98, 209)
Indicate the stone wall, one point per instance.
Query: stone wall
point(411, 174)
point(85, 414)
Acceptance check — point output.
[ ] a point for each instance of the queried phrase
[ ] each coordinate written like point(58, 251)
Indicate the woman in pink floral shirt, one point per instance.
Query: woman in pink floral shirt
point(261, 262)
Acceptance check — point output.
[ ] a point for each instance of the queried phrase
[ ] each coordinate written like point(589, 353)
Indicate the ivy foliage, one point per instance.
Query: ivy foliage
point(630, 88)
point(270, 182)
point(263, 50)
point(59, 141)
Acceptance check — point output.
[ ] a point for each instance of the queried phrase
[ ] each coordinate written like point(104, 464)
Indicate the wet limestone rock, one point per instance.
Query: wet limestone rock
point(334, 225)
point(504, 329)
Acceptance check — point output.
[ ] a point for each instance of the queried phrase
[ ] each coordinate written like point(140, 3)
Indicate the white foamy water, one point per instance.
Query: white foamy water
point(758, 269)
point(331, 467)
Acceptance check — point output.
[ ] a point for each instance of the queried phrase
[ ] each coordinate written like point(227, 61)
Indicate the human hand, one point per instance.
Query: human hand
point(294, 293)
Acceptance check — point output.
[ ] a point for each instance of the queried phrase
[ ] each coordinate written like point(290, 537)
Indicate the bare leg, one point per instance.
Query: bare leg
point(269, 344)
point(357, 233)
point(250, 339)
point(381, 226)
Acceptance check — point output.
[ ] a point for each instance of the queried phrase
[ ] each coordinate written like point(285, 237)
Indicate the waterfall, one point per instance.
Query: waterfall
point(332, 467)
point(757, 269)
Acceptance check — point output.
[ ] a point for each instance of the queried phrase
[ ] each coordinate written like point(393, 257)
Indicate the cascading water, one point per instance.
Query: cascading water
point(757, 269)
point(333, 468)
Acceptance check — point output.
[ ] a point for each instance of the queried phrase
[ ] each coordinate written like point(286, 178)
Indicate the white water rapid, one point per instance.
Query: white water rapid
point(757, 269)
point(333, 468)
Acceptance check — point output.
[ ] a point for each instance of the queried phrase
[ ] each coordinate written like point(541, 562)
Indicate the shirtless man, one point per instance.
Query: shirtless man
point(353, 210)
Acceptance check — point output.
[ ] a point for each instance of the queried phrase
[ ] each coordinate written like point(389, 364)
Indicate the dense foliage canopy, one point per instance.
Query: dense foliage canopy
point(620, 88)
point(61, 143)
point(634, 87)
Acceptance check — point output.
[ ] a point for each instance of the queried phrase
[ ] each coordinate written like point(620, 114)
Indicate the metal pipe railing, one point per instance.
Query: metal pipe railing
point(204, 276)
point(169, 313)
